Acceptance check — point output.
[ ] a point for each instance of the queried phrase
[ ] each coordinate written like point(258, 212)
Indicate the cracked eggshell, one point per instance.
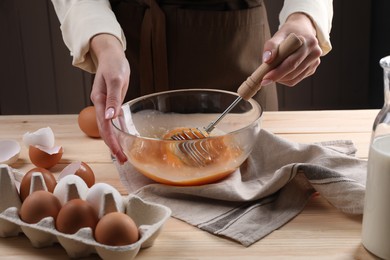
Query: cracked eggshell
point(45, 157)
point(9, 151)
point(80, 169)
point(43, 137)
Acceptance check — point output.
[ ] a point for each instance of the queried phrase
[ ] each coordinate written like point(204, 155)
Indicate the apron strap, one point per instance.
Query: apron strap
point(153, 50)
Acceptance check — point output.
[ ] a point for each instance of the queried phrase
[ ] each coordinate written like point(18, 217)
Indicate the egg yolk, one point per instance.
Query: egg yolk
point(181, 156)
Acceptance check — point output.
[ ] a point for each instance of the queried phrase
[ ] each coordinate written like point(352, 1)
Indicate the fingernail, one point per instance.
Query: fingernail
point(121, 158)
point(109, 113)
point(266, 56)
point(266, 82)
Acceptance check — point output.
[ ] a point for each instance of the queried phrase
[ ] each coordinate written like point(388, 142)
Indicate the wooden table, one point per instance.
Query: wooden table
point(320, 231)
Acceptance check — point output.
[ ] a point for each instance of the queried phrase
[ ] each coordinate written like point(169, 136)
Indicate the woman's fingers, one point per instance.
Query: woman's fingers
point(303, 62)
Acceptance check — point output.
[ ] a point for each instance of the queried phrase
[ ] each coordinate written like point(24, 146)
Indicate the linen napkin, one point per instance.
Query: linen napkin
point(270, 188)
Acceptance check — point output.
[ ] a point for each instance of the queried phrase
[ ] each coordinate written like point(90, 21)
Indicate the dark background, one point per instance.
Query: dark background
point(37, 76)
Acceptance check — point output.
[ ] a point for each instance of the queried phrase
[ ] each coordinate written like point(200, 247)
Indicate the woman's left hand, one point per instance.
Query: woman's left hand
point(303, 62)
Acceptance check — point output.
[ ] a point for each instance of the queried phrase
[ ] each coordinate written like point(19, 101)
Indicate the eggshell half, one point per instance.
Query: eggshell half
point(43, 137)
point(9, 151)
point(45, 157)
point(80, 169)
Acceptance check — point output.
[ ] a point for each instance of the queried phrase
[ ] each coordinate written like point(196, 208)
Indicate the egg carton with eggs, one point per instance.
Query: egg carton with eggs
point(148, 217)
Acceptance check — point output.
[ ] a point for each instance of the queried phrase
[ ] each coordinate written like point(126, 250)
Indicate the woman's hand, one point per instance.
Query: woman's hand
point(109, 87)
point(303, 62)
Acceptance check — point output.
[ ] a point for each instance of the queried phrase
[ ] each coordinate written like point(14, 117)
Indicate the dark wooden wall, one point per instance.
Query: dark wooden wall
point(342, 80)
point(380, 47)
point(36, 72)
point(37, 76)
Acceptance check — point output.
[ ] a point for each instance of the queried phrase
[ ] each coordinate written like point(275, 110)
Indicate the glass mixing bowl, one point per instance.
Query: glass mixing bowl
point(145, 124)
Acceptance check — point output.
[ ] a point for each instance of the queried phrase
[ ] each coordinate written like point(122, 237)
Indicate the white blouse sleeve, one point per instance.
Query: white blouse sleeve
point(80, 21)
point(320, 12)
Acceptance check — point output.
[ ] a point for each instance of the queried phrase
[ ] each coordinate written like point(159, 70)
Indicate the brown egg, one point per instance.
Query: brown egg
point(85, 172)
point(88, 123)
point(74, 215)
point(48, 177)
point(40, 204)
point(43, 159)
point(116, 229)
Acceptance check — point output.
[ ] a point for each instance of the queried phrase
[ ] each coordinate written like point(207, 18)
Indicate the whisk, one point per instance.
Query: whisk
point(197, 151)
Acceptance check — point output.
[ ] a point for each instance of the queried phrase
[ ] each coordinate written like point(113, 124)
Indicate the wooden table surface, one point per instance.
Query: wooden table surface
point(319, 232)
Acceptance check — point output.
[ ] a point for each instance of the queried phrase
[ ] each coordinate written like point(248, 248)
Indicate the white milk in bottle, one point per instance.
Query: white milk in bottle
point(376, 219)
point(376, 216)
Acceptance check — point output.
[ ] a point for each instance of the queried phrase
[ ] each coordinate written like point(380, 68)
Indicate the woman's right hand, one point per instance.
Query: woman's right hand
point(109, 87)
point(303, 62)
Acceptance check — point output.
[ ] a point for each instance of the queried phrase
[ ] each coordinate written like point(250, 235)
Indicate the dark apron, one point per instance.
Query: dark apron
point(193, 44)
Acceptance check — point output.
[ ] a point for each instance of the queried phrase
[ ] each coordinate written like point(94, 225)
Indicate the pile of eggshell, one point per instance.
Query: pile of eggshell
point(41, 144)
point(41, 149)
point(83, 216)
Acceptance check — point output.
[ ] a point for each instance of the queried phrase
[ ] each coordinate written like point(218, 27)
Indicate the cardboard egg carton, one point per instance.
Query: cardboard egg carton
point(149, 218)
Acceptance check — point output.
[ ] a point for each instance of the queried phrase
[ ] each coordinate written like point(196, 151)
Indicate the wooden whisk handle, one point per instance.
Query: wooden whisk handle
point(252, 84)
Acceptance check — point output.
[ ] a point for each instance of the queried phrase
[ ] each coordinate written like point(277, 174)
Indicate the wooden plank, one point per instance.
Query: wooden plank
point(39, 78)
point(344, 82)
point(13, 91)
point(326, 91)
point(355, 55)
point(66, 130)
point(296, 126)
point(35, 37)
point(88, 81)
point(298, 97)
point(320, 231)
point(379, 48)
point(69, 80)
point(359, 140)
point(36, 70)
point(322, 121)
point(342, 79)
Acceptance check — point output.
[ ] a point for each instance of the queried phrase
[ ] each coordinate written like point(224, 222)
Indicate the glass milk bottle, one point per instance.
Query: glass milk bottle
point(376, 217)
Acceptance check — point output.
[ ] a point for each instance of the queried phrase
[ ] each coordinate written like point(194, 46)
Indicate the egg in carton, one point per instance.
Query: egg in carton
point(148, 217)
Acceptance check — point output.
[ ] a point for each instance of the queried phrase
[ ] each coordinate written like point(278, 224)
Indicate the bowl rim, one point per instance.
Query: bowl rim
point(251, 101)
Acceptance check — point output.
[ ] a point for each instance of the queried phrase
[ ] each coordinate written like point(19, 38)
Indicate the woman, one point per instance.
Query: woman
point(171, 44)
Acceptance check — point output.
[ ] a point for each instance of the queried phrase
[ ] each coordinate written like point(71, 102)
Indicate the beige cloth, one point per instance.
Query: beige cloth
point(268, 190)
